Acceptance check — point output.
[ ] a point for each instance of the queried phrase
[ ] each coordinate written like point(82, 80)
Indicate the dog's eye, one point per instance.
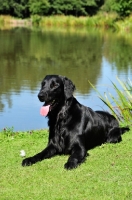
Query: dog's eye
point(53, 85)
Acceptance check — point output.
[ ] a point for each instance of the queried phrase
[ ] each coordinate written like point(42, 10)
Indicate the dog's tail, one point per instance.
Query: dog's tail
point(124, 129)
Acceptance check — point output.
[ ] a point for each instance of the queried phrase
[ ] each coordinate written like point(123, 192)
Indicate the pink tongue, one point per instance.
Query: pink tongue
point(44, 110)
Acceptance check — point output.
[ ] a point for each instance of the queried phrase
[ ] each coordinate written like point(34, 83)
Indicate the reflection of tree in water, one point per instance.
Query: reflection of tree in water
point(117, 50)
point(27, 56)
point(77, 57)
point(5, 100)
point(1, 105)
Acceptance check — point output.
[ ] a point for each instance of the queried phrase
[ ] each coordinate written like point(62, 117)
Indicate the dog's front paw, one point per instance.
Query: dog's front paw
point(27, 162)
point(70, 165)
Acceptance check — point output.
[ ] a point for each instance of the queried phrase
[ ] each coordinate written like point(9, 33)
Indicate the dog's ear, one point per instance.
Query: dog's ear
point(69, 87)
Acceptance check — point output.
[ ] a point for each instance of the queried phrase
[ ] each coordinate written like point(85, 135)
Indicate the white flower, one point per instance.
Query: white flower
point(22, 153)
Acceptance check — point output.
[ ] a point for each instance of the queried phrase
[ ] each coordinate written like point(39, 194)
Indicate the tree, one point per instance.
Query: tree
point(19, 8)
point(40, 7)
point(4, 7)
point(123, 7)
point(75, 7)
point(108, 5)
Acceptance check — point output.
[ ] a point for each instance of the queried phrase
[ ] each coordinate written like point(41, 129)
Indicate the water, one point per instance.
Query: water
point(26, 56)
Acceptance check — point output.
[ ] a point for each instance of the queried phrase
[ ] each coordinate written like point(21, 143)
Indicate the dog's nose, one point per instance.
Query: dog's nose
point(42, 96)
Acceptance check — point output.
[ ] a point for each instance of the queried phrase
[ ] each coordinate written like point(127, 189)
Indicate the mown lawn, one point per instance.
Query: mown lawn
point(106, 174)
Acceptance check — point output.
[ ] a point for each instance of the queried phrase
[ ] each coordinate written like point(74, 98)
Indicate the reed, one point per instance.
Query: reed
point(101, 20)
point(121, 105)
point(1, 20)
point(125, 24)
point(74, 21)
point(63, 21)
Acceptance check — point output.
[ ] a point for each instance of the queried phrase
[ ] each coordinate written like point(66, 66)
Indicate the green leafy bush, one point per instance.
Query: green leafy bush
point(123, 7)
point(40, 7)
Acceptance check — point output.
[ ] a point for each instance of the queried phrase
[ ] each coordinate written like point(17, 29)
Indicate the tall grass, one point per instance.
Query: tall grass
point(126, 24)
point(102, 20)
point(121, 104)
point(62, 21)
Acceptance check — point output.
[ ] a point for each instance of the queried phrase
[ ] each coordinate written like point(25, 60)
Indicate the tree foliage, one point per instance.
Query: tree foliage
point(26, 8)
point(17, 8)
point(124, 8)
point(40, 7)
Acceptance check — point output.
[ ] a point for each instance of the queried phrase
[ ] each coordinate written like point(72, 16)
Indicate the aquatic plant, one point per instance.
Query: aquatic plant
point(121, 104)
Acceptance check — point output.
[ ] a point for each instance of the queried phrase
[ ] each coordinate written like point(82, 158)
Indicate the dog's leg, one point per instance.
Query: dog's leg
point(48, 152)
point(77, 157)
point(115, 133)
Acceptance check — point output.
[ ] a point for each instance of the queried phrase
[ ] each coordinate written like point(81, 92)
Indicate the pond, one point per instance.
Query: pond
point(27, 55)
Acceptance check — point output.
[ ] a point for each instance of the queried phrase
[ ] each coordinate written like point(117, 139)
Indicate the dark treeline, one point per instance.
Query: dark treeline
point(26, 8)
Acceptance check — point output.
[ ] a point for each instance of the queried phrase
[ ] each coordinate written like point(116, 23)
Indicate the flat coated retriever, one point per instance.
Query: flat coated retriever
point(73, 127)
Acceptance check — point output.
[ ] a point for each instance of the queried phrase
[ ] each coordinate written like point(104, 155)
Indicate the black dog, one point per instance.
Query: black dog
point(73, 128)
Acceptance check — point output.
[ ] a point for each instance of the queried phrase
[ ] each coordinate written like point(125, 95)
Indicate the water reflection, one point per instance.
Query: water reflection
point(26, 56)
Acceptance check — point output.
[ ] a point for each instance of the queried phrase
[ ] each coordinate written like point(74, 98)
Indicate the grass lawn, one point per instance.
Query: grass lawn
point(105, 175)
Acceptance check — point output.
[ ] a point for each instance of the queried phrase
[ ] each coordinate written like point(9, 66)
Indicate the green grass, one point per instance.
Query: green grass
point(105, 175)
point(102, 20)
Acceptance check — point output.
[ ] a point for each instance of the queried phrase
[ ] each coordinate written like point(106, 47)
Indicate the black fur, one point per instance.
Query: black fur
point(73, 128)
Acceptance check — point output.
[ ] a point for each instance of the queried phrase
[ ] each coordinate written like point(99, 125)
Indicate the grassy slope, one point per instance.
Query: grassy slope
point(106, 174)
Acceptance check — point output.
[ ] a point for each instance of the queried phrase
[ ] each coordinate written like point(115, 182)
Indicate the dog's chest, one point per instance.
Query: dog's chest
point(60, 136)
point(62, 139)
point(60, 132)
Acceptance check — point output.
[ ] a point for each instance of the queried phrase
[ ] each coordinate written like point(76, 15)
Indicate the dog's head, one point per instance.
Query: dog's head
point(55, 88)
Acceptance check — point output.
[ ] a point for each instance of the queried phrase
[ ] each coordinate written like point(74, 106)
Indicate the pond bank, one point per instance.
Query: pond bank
point(102, 20)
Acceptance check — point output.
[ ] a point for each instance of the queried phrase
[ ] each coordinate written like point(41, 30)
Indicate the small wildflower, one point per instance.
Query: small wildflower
point(22, 153)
